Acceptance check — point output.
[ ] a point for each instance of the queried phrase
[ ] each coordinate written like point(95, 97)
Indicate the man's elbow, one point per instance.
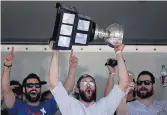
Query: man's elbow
point(51, 84)
point(124, 86)
point(52, 80)
point(68, 90)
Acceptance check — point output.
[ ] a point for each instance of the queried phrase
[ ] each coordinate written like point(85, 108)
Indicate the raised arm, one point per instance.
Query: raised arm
point(70, 80)
point(53, 70)
point(110, 81)
point(122, 71)
point(64, 101)
point(110, 103)
point(123, 79)
point(9, 96)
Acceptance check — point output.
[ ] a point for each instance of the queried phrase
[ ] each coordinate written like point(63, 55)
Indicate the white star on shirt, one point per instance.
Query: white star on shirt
point(43, 111)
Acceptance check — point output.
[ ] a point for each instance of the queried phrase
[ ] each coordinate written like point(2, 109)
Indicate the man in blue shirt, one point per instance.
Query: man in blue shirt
point(32, 89)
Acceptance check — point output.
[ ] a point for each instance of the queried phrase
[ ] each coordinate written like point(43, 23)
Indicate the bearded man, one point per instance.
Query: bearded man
point(32, 90)
point(145, 104)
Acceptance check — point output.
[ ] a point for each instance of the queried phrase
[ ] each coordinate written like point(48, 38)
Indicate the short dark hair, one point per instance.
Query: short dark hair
point(44, 94)
point(17, 90)
point(14, 82)
point(32, 76)
point(78, 85)
point(149, 74)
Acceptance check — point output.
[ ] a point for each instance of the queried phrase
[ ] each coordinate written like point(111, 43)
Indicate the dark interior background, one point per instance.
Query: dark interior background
point(32, 22)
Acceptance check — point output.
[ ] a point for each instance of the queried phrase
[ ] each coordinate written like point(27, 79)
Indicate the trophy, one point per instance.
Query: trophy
point(113, 35)
point(73, 28)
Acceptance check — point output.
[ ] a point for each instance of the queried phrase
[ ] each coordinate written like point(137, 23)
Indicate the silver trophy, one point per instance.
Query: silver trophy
point(73, 28)
point(113, 35)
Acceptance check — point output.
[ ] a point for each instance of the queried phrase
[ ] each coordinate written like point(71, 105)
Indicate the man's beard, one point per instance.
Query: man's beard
point(144, 95)
point(31, 98)
point(85, 98)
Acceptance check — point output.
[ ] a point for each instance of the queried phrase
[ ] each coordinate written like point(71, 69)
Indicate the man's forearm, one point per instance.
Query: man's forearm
point(6, 79)
point(9, 97)
point(122, 71)
point(53, 70)
point(70, 80)
point(110, 84)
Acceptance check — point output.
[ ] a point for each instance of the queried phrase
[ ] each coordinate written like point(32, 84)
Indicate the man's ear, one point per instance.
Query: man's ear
point(154, 87)
point(76, 90)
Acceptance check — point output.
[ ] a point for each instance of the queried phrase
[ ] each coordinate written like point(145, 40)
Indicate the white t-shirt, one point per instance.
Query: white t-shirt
point(70, 106)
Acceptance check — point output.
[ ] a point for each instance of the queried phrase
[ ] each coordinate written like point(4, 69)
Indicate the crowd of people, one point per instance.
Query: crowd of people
point(127, 97)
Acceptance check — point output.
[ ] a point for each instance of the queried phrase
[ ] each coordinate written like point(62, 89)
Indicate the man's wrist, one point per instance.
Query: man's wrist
point(111, 73)
point(55, 52)
point(72, 70)
point(7, 65)
point(72, 67)
point(118, 52)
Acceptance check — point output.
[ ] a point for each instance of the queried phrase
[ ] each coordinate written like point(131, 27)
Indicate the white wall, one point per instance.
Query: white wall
point(89, 62)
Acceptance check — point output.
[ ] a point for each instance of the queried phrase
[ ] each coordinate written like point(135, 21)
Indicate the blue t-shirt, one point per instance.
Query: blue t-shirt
point(48, 107)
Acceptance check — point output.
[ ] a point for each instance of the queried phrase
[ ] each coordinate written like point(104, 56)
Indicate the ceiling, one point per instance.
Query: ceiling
point(32, 22)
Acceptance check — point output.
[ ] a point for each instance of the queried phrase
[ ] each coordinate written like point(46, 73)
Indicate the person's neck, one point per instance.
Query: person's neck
point(130, 97)
point(32, 103)
point(147, 102)
point(87, 104)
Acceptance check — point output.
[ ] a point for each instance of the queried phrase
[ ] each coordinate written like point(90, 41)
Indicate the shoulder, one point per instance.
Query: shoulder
point(163, 102)
point(19, 102)
point(18, 105)
point(49, 101)
point(132, 104)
